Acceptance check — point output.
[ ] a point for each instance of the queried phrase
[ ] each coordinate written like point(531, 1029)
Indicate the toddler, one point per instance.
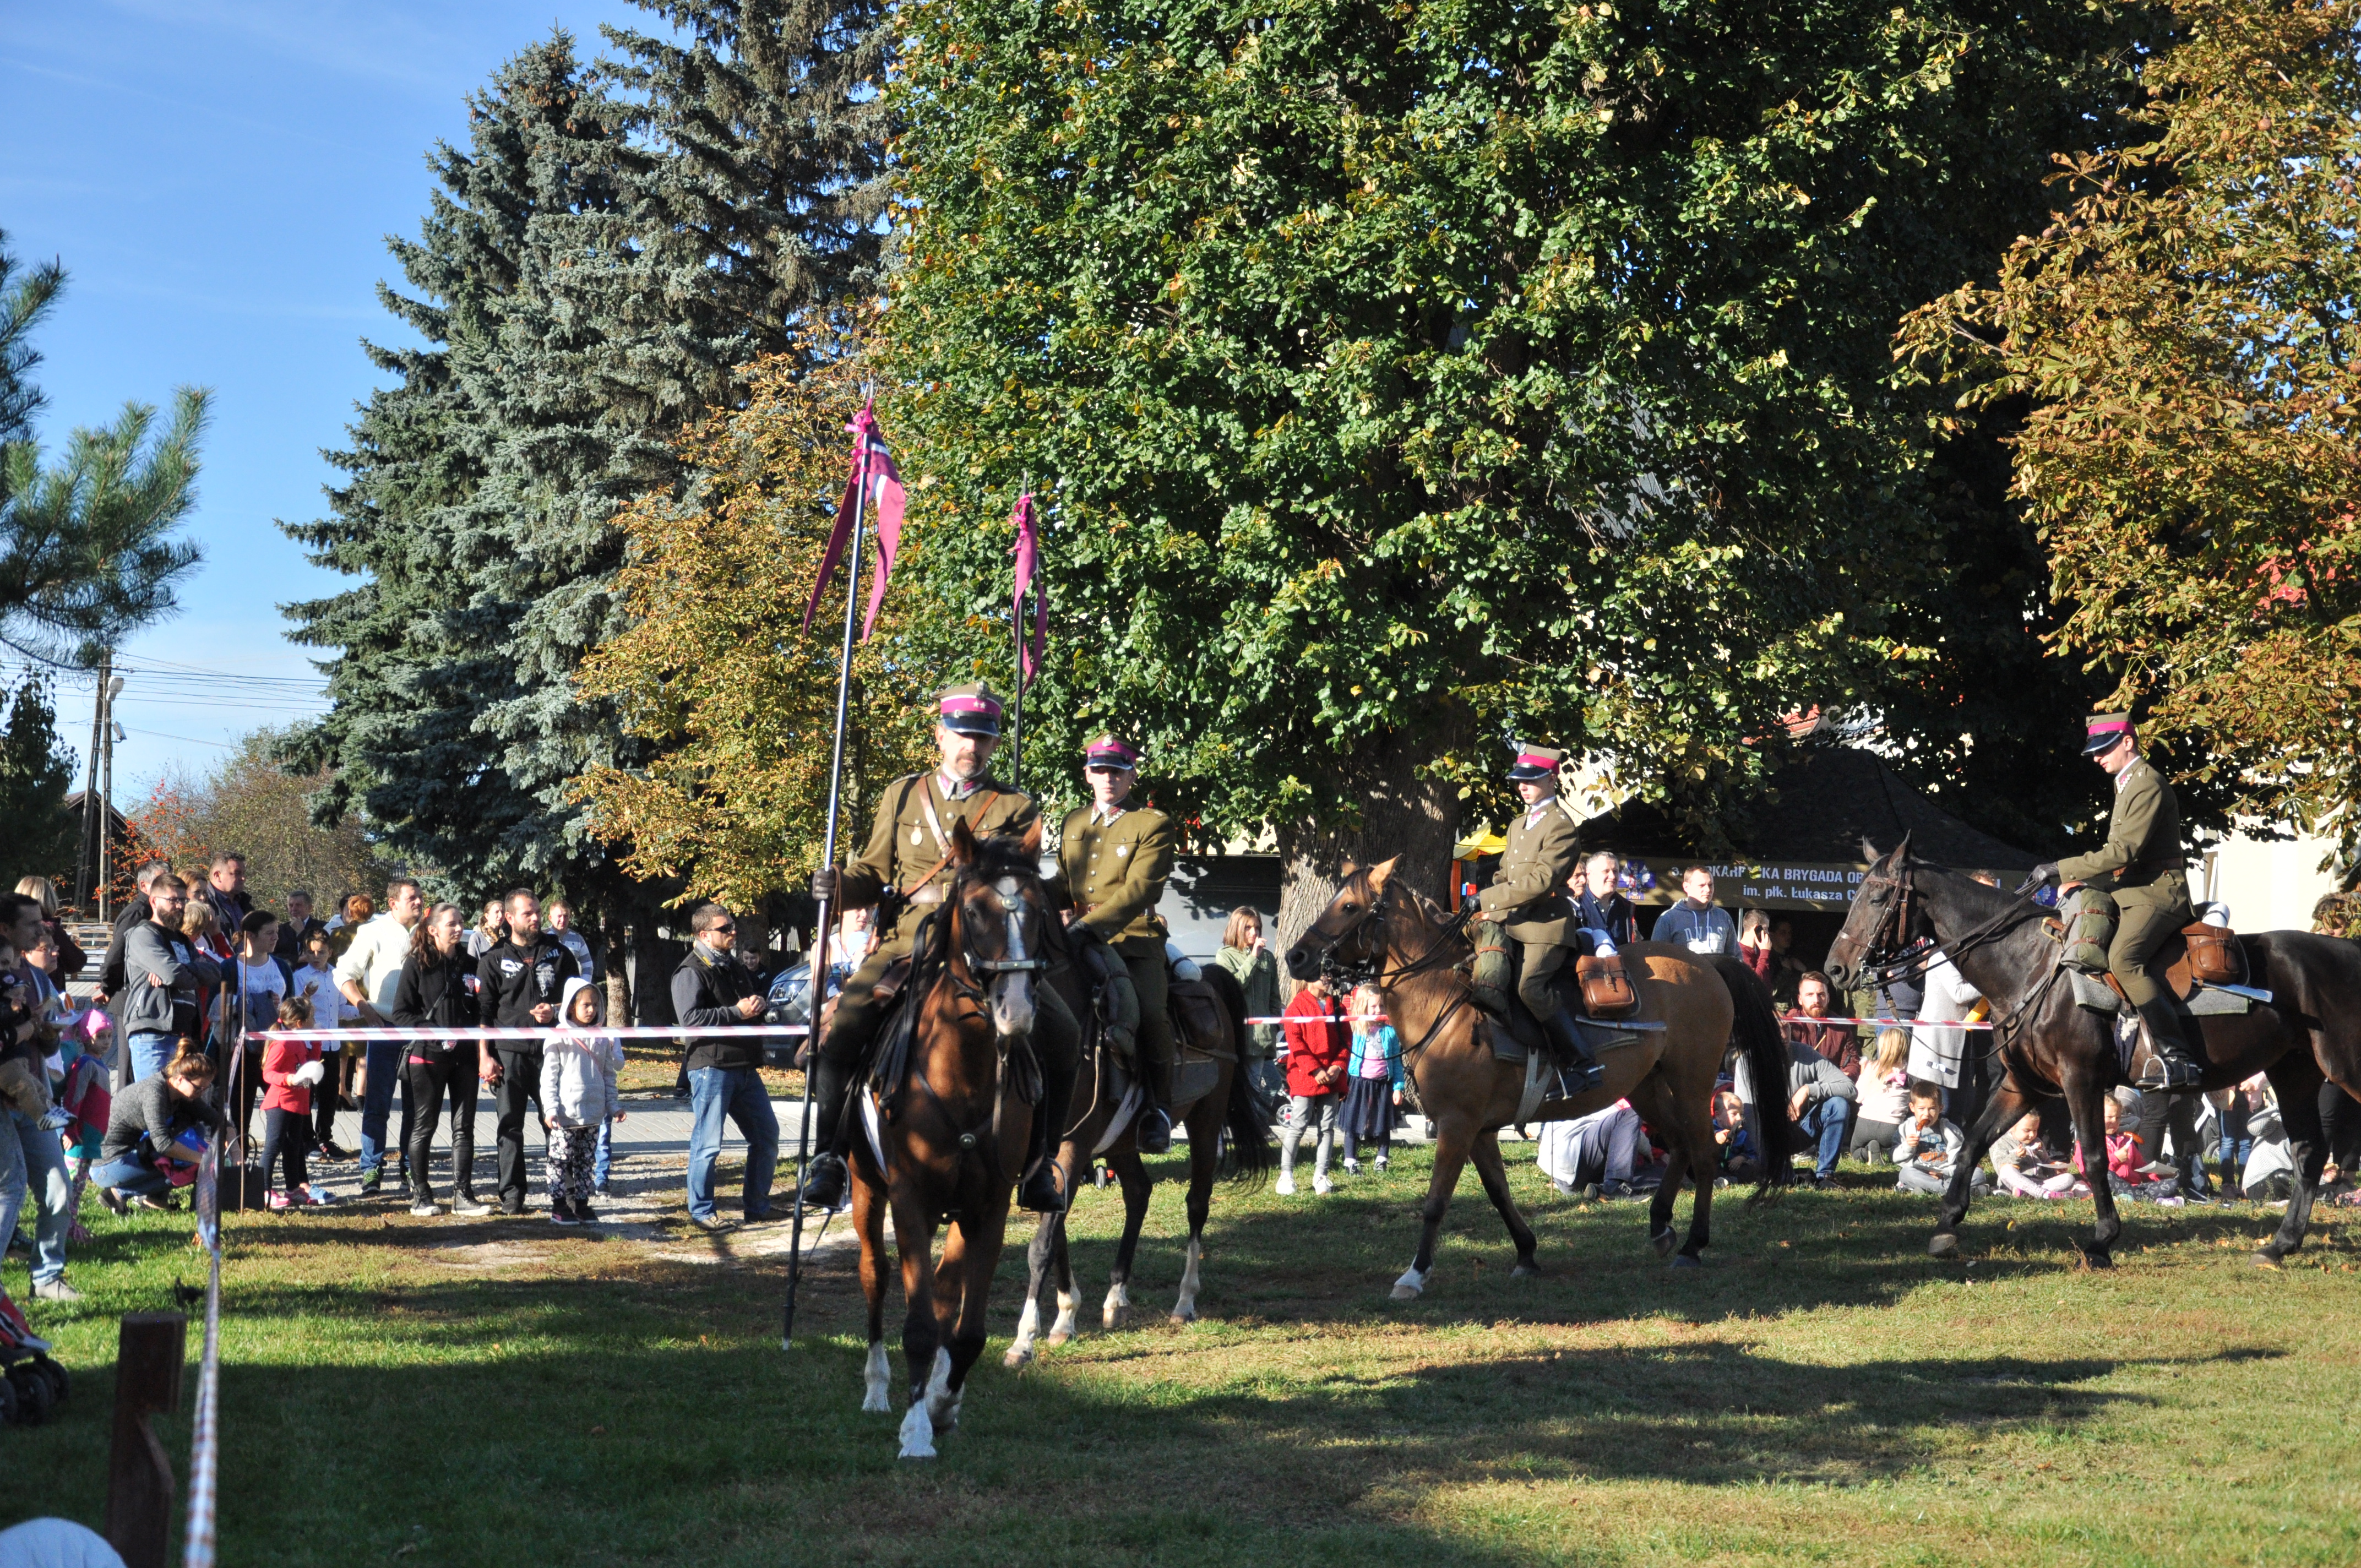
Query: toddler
point(289, 1070)
point(2025, 1167)
point(1374, 1093)
point(1928, 1148)
point(578, 1096)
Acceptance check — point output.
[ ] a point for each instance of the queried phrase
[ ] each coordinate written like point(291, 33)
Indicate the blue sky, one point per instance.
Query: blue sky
point(218, 177)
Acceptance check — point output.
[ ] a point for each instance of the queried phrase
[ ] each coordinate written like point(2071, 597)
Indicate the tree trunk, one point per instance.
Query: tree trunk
point(1392, 812)
point(614, 939)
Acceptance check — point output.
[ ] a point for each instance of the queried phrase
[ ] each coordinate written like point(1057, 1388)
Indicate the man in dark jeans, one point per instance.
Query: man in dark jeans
point(519, 983)
point(712, 990)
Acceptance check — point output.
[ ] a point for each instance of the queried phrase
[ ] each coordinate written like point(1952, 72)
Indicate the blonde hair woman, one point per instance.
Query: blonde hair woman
point(1885, 1097)
point(66, 956)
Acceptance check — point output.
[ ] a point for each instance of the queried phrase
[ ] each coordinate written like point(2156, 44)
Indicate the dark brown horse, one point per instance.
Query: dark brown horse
point(955, 1141)
point(1227, 1112)
point(1412, 953)
point(2052, 1049)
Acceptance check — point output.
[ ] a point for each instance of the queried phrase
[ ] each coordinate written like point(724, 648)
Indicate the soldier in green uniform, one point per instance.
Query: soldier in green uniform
point(1113, 861)
point(901, 873)
point(2141, 866)
point(1528, 898)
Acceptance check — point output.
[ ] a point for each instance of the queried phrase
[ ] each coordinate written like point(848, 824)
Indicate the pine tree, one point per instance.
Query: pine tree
point(38, 835)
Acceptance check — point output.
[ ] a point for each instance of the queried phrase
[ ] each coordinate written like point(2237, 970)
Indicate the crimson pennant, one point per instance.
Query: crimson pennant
point(872, 481)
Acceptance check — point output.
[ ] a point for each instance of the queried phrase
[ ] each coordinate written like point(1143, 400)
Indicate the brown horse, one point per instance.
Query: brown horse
point(2054, 1048)
point(1412, 953)
point(1228, 1107)
point(951, 1142)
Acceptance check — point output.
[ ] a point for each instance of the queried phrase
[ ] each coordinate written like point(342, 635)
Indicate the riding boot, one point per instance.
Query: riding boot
point(825, 1178)
point(1151, 1129)
point(1575, 1067)
point(2177, 1065)
point(1043, 1189)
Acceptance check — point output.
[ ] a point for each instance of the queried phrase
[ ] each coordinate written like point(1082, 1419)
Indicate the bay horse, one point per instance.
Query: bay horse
point(2052, 1049)
point(1397, 939)
point(1228, 1107)
point(954, 1142)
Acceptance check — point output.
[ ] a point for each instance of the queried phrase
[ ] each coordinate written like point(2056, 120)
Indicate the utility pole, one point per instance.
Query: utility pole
point(91, 869)
point(107, 695)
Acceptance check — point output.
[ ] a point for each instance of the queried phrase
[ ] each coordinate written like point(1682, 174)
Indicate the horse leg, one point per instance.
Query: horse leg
point(2295, 1079)
point(1453, 1142)
point(1136, 1185)
point(2004, 1108)
point(1204, 1158)
point(869, 1222)
point(914, 1233)
point(1691, 1155)
point(1037, 1265)
point(2083, 1097)
point(1494, 1175)
point(1062, 1279)
point(1652, 1098)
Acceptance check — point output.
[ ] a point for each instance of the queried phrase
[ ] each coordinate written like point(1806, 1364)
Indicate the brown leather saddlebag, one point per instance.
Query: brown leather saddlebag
point(1606, 989)
point(2214, 956)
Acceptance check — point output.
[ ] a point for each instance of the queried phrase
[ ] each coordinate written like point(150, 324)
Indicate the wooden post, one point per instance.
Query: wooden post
point(147, 1362)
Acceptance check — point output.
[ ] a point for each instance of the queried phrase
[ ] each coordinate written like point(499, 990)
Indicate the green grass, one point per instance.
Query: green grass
point(1824, 1392)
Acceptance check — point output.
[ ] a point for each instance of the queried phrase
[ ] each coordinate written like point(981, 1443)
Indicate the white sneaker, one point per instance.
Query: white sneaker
point(1321, 1186)
point(1287, 1184)
point(1352, 1168)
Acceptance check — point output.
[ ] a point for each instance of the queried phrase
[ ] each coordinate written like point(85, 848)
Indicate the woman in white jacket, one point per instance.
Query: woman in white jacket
point(578, 1096)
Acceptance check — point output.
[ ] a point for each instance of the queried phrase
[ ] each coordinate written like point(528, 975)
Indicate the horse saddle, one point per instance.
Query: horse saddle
point(2194, 957)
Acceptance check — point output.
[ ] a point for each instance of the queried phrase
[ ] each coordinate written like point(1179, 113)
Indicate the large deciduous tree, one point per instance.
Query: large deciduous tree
point(2184, 335)
point(1408, 376)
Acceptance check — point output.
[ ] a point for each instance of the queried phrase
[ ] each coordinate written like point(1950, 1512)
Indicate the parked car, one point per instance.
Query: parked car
point(789, 1002)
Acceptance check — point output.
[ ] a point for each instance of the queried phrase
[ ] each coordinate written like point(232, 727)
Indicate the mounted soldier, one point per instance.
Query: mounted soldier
point(1527, 898)
point(1114, 859)
point(901, 873)
point(2140, 866)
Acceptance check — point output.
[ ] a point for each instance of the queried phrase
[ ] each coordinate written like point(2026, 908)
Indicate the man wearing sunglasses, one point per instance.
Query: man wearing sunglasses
point(711, 990)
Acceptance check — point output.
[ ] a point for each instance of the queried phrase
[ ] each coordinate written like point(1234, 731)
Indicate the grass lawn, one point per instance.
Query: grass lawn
point(454, 1392)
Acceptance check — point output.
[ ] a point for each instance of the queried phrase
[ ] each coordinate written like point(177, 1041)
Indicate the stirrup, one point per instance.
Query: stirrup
point(2168, 1072)
point(1151, 1130)
point(1579, 1078)
point(1042, 1192)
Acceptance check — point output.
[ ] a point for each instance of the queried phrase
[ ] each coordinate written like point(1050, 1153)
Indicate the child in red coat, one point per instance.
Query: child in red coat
point(289, 1068)
point(1317, 1045)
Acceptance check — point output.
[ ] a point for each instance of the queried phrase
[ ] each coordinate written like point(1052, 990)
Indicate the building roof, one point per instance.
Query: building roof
point(1819, 808)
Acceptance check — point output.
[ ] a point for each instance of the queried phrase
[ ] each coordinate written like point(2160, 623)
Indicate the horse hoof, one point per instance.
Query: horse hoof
point(2267, 1260)
point(1526, 1271)
point(1184, 1319)
point(2097, 1260)
point(1016, 1358)
point(1052, 1341)
point(1411, 1285)
point(1663, 1240)
point(1684, 1260)
point(1943, 1245)
point(1406, 1292)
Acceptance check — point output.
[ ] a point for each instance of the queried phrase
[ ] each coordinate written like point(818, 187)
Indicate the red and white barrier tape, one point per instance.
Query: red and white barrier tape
point(1896, 1023)
point(538, 1032)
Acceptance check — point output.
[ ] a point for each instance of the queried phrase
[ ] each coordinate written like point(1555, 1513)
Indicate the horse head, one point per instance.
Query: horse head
point(1350, 933)
point(1001, 929)
point(1884, 918)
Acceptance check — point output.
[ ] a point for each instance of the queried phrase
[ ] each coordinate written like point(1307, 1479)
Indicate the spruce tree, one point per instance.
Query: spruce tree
point(38, 835)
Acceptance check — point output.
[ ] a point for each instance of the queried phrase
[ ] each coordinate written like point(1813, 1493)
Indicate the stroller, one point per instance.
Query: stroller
point(33, 1385)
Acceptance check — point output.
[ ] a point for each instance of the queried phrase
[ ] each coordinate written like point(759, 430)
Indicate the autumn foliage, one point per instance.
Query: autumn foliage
point(2185, 335)
point(716, 670)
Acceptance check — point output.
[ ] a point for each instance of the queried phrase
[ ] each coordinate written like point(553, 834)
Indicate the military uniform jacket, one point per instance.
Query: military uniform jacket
point(911, 839)
point(2141, 863)
point(1114, 874)
point(1528, 891)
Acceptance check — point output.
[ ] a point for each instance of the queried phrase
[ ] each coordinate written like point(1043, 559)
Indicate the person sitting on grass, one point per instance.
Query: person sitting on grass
point(1733, 1140)
point(1374, 1093)
point(2124, 1158)
point(1884, 1106)
point(144, 1126)
point(2025, 1167)
point(1928, 1148)
point(577, 1094)
point(291, 1069)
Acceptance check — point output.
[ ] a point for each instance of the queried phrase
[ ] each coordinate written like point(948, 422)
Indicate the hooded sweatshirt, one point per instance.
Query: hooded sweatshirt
point(578, 1066)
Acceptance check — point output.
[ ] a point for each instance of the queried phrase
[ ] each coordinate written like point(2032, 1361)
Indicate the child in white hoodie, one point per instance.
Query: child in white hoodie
point(577, 1095)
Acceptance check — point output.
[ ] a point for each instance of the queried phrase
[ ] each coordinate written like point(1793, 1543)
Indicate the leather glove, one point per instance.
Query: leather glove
point(2047, 872)
point(310, 1072)
point(823, 884)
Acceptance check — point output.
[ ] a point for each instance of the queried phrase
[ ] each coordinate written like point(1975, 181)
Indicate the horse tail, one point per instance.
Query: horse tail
point(1756, 1024)
point(1246, 1118)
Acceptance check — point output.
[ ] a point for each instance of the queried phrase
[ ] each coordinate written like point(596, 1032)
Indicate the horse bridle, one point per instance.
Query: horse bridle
point(1372, 971)
point(1915, 959)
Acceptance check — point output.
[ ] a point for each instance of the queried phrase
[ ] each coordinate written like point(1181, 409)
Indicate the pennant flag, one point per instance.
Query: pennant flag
point(1028, 565)
point(874, 481)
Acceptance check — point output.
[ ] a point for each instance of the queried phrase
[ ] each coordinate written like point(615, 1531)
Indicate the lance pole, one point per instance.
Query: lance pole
point(827, 913)
point(1016, 634)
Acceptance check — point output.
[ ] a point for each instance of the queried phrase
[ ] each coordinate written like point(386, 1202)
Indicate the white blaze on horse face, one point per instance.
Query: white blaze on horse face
point(1012, 992)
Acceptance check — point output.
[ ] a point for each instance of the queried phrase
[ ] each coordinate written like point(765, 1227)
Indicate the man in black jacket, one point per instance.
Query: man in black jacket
point(519, 983)
point(1598, 907)
point(711, 990)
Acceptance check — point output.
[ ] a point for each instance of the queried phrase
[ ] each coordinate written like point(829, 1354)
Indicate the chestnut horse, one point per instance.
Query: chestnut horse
point(1397, 939)
point(1228, 1107)
point(958, 1126)
point(2054, 1048)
